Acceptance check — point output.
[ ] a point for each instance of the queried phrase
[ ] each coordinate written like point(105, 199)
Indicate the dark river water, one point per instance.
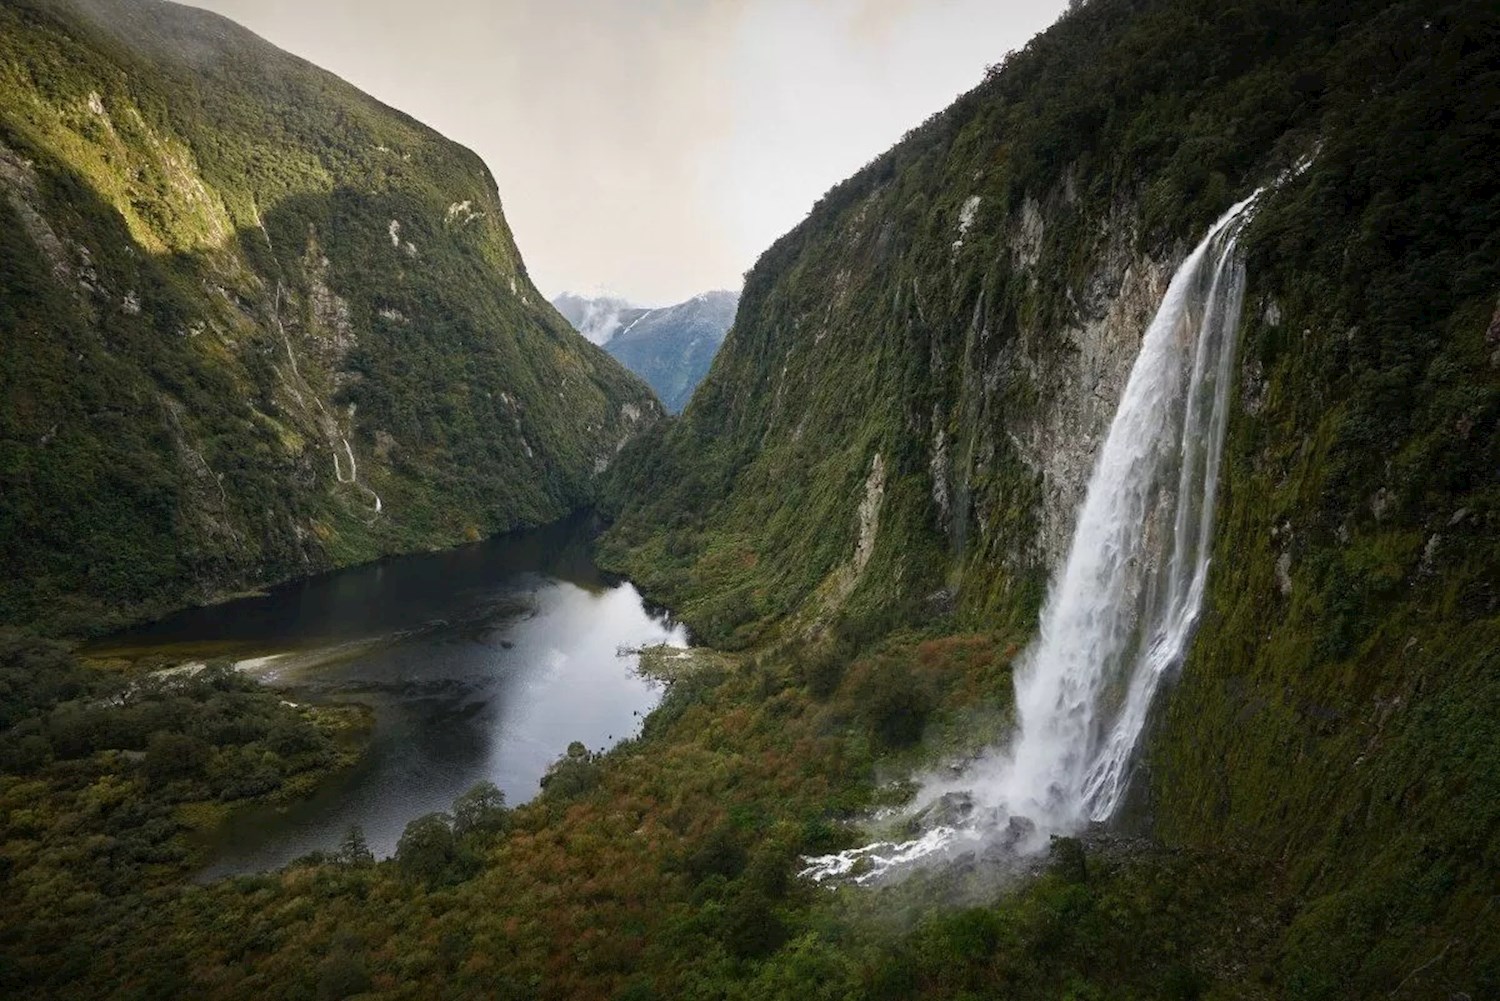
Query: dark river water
point(479, 663)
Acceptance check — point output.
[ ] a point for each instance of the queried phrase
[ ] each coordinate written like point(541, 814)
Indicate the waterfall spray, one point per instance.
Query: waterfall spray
point(1119, 615)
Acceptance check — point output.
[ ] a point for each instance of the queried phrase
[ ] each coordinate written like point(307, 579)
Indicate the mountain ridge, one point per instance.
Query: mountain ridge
point(671, 347)
point(897, 432)
point(271, 261)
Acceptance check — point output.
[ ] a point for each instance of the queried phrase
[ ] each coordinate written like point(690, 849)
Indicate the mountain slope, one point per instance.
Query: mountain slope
point(899, 428)
point(870, 490)
point(671, 347)
point(257, 324)
point(598, 317)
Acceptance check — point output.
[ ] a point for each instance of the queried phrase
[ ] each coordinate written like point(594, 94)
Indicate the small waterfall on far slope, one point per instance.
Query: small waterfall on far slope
point(1119, 615)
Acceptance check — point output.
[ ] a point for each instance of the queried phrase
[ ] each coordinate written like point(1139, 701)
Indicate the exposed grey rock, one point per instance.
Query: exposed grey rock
point(1284, 573)
point(950, 810)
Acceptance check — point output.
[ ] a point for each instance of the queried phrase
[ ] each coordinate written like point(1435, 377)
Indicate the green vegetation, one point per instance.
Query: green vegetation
point(104, 777)
point(1338, 709)
point(667, 869)
point(241, 301)
point(854, 510)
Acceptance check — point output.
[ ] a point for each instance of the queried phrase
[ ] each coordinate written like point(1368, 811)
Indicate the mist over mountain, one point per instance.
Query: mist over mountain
point(671, 347)
point(597, 318)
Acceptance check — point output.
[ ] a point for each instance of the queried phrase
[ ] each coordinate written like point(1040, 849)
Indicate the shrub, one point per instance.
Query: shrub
point(895, 704)
point(172, 756)
point(481, 811)
point(574, 774)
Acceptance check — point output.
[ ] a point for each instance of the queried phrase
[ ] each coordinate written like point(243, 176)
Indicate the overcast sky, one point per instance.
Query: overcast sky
point(654, 148)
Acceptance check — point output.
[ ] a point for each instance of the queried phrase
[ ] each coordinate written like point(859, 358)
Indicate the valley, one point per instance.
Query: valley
point(1067, 568)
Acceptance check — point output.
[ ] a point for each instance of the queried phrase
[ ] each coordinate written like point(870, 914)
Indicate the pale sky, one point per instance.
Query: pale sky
point(654, 148)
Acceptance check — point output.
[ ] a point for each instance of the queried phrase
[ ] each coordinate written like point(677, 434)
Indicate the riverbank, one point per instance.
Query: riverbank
point(348, 727)
point(478, 664)
point(110, 774)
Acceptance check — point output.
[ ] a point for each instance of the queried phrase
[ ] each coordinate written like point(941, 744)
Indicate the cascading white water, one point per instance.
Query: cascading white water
point(1120, 614)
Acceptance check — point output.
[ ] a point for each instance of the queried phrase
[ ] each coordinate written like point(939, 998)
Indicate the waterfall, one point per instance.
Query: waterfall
point(1119, 615)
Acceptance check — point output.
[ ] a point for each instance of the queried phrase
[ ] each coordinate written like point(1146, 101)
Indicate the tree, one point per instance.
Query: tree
point(340, 976)
point(172, 756)
point(481, 811)
point(342, 972)
point(429, 851)
point(354, 849)
point(895, 705)
point(574, 774)
point(720, 854)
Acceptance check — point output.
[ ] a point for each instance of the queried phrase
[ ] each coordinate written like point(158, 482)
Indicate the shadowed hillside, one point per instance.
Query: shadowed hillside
point(257, 325)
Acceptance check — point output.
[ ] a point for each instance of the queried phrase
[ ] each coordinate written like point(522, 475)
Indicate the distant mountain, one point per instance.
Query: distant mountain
point(671, 347)
point(595, 318)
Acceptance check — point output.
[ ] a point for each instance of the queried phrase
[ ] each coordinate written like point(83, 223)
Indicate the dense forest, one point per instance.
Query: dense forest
point(256, 325)
point(857, 513)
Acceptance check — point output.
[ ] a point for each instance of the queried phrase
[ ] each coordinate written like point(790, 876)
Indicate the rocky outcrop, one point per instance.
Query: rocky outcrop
point(1075, 373)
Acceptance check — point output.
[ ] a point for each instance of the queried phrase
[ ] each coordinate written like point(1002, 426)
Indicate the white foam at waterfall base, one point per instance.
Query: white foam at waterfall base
point(1119, 615)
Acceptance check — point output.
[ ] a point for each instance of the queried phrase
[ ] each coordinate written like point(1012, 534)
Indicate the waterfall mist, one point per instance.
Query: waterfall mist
point(1120, 612)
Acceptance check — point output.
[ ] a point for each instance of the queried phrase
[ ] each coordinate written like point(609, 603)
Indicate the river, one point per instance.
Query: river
point(482, 662)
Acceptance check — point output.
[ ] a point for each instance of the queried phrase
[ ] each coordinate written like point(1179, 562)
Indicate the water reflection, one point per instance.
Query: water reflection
point(480, 663)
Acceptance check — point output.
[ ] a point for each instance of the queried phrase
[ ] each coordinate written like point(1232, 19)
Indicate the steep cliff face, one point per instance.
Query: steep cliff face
point(953, 308)
point(256, 324)
point(899, 428)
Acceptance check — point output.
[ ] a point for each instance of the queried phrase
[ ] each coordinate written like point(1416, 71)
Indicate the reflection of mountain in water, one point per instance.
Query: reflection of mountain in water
point(389, 596)
point(480, 663)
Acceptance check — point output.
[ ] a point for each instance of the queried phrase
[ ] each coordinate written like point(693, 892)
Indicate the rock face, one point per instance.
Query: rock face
point(671, 347)
point(998, 379)
point(968, 308)
point(1077, 371)
point(256, 324)
point(1082, 388)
